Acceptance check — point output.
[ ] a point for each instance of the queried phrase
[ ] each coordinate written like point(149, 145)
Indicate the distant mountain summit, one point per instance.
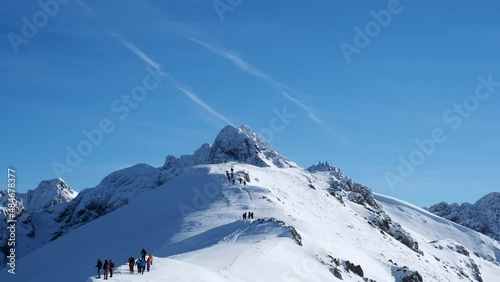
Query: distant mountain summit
point(242, 144)
point(239, 144)
point(48, 193)
point(232, 144)
point(34, 211)
point(482, 216)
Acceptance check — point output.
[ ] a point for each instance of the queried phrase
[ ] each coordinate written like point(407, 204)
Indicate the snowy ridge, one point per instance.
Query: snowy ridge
point(198, 232)
point(114, 191)
point(482, 216)
point(54, 209)
point(310, 225)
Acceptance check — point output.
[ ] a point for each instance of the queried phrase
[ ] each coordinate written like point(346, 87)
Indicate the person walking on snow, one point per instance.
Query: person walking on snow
point(142, 265)
point(105, 267)
point(245, 215)
point(131, 262)
point(111, 266)
point(143, 254)
point(148, 263)
point(151, 257)
point(99, 266)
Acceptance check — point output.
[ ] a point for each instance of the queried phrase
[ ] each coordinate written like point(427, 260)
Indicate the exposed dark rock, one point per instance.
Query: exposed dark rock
point(461, 250)
point(475, 271)
point(414, 277)
point(404, 274)
point(295, 235)
point(354, 268)
point(336, 272)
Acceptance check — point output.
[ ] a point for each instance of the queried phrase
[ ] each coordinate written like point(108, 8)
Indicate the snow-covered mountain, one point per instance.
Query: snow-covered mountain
point(54, 209)
point(312, 224)
point(482, 216)
point(32, 209)
point(240, 144)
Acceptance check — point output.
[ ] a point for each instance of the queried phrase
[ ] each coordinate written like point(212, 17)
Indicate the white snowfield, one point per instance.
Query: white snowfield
point(193, 226)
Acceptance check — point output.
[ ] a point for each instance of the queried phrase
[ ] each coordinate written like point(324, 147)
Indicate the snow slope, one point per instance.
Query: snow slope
point(310, 225)
point(193, 226)
point(54, 209)
point(442, 236)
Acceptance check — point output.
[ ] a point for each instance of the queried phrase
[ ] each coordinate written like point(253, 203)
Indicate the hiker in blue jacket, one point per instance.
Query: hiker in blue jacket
point(99, 266)
point(142, 265)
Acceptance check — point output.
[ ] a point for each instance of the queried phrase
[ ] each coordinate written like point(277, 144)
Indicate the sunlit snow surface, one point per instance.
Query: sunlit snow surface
point(192, 224)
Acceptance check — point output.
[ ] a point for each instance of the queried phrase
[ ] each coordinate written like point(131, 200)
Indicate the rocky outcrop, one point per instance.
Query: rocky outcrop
point(482, 216)
point(342, 187)
point(404, 274)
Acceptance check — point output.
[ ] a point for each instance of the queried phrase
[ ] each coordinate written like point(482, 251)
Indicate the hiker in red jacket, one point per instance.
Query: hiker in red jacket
point(111, 266)
point(131, 263)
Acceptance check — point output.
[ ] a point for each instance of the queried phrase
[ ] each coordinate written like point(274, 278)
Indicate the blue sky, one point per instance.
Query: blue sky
point(414, 73)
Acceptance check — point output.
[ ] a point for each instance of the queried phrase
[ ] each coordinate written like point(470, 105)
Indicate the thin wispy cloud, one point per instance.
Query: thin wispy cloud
point(256, 72)
point(135, 50)
point(177, 85)
point(87, 8)
point(198, 101)
point(238, 61)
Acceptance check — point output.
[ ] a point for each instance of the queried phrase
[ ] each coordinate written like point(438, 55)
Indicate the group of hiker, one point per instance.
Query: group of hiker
point(230, 178)
point(248, 215)
point(142, 263)
point(107, 268)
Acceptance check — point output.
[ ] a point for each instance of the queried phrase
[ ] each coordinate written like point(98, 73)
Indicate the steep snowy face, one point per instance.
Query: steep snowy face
point(242, 144)
point(344, 188)
point(47, 194)
point(33, 210)
point(114, 191)
point(483, 216)
point(54, 209)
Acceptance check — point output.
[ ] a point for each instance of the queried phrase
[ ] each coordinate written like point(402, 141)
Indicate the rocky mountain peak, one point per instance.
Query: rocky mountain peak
point(482, 216)
point(48, 193)
point(232, 144)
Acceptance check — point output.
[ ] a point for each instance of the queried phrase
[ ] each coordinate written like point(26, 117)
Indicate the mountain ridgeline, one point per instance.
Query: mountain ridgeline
point(316, 215)
point(482, 216)
point(53, 208)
